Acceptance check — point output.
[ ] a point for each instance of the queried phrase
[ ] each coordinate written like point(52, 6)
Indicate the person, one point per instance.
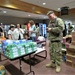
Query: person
point(11, 33)
point(1, 30)
point(37, 30)
point(26, 36)
point(32, 30)
point(64, 31)
point(70, 28)
point(55, 29)
point(19, 32)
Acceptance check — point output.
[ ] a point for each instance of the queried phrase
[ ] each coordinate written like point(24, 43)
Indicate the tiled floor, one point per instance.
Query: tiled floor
point(12, 67)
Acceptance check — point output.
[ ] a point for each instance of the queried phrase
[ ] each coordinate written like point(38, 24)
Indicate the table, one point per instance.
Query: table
point(20, 59)
point(40, 50)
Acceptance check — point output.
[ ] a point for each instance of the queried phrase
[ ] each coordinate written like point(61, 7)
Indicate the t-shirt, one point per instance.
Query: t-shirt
point(13, 34)
point(19, 35)
point(32, 28)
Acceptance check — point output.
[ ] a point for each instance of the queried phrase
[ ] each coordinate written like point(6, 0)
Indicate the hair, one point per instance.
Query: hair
point(69, 23)
point(11, 27)
point(17, 24)
point(26, 34)
point(31, 22)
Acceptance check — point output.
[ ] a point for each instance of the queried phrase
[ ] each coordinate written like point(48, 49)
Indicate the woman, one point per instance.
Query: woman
point(11, 33)
point(32, 30)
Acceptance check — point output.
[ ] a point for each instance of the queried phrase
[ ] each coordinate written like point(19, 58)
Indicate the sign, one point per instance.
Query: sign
point(42, 28)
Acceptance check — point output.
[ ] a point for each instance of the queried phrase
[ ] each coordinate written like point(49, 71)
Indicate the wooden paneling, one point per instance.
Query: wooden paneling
point(23, 6)
point(72, 11)
point(27, 7)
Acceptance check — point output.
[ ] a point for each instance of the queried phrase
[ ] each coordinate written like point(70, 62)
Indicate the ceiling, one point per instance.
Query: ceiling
point(50, 4)
point(15, 13)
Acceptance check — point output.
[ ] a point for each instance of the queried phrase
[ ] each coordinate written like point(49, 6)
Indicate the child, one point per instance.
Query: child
point(26, 36)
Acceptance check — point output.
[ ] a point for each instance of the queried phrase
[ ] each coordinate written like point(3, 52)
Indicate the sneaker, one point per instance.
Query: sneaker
point(51, 65)
point(58, 69)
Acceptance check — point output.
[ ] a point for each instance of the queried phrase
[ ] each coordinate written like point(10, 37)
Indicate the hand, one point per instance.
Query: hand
point(20, 30)
point(48, 29)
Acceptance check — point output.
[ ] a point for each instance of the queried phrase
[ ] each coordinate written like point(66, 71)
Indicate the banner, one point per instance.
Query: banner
point(42, 28)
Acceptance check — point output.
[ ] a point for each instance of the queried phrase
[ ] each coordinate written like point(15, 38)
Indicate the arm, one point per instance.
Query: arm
point(9, 35)
point(34, 30)
point(21, 30)
point(58, 29)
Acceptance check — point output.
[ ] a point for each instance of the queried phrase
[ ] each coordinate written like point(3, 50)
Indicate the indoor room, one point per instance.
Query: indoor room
point(37, 37)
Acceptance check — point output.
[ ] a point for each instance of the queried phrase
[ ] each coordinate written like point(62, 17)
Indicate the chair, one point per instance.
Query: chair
point(41, 49)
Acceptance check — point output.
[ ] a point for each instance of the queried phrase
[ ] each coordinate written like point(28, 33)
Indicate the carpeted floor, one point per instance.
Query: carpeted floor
point(12, 67)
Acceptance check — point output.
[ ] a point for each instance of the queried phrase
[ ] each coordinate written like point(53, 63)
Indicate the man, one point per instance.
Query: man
point(37, 30)
point(70, 28)
point(19, 32)
point(55, 28)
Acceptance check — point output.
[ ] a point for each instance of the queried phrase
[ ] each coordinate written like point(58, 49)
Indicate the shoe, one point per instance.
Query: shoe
point(58, 69)
point(51, 65)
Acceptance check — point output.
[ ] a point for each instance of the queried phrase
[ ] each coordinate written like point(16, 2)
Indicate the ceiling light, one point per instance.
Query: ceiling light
point(37, 12)
point(4, 11)
point(44, 17)
point(44, 3)
point(11, 6)
point(1, 23)
point(59, 9)
point(29, 15)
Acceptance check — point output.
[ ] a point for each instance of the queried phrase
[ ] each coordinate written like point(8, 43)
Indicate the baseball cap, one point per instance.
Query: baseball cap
point(50, 12)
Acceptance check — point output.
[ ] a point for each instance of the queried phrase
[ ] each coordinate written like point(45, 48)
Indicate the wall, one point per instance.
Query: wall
point(65, 18)
point(69, 18)
point(15, 20)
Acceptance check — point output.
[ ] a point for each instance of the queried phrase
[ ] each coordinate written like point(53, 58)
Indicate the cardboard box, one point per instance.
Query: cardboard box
point(68, 62)
point(72, 46)
point(73, 38)
point(68, 57)
point(70, 51)
point(73, 59)
point(73, 65)
point(73, 33)
point(73, 42)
